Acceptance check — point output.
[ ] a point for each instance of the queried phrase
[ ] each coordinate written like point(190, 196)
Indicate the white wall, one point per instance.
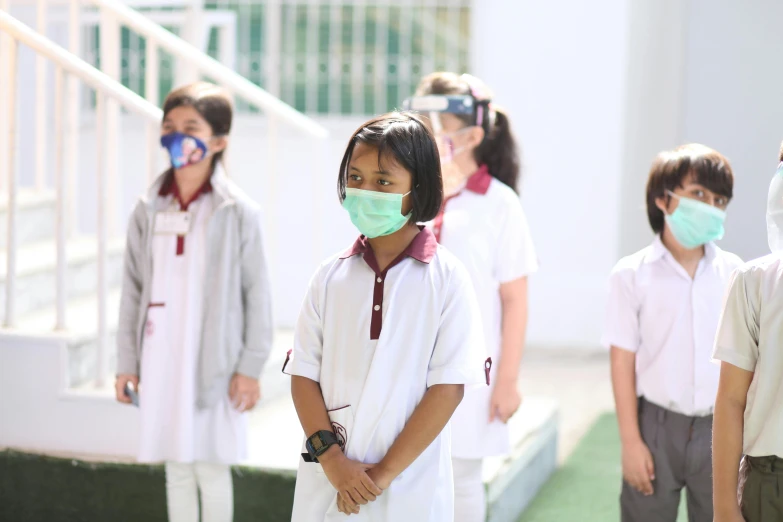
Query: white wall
point(560, 69)
point(709, 74)
point(734, 103)
point(37, 413)
point(654, 105)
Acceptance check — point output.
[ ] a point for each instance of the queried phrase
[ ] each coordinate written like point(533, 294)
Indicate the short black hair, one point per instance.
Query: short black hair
point(708, 167)
point(405, 138)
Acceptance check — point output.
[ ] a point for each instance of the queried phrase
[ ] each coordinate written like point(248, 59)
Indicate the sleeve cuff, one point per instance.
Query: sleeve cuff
point(623, 344)
point(456, 376)
point(250, 364)
point(127, 365)
point(732, 357)
point(525, 271)
point(303, 369)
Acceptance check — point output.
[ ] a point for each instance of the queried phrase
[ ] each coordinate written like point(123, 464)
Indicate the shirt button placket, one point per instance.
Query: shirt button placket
point(377, 303)
point(377, 307)
point(694, 326)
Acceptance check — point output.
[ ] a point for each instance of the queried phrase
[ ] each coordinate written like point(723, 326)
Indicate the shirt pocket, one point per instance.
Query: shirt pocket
point(342, 426)
point(154, 321)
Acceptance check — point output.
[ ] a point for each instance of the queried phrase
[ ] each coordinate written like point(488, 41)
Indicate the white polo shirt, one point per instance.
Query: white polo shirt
point(485, 227)
point(750, 337)
point(669, 320)
point(375, 341)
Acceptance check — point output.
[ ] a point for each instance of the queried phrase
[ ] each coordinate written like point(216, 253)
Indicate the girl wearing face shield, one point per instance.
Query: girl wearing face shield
point(483, 224)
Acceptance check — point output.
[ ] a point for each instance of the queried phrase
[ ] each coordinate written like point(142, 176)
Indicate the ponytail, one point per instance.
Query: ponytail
point(499, 150)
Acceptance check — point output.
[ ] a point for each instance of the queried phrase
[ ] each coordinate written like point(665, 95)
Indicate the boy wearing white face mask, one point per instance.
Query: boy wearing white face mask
point(748, 410)
point(662, 316)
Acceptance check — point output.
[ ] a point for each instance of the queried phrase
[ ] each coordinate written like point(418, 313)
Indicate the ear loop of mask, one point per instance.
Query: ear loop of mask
point(670, 195)
point(448, 138)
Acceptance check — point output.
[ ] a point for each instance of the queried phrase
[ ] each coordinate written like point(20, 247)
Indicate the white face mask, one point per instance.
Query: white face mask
point(775, 212)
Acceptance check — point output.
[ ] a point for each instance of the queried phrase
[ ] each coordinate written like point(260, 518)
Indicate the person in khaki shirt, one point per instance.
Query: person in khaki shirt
point(748, 425)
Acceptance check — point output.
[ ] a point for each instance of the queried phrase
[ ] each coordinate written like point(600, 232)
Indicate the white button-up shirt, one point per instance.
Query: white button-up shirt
point(750, 337)
point(485, 227)
point(656, 310)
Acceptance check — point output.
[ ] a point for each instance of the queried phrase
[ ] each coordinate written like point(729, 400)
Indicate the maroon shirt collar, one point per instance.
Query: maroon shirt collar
point(480, 180)
point(169, 188)
point(422, 248)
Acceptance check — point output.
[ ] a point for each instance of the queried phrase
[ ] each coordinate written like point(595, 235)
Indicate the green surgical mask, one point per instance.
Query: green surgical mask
point(375, 214)
point(695, 223)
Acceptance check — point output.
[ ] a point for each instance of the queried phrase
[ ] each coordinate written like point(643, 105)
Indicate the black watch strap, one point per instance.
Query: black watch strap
point(318, 443)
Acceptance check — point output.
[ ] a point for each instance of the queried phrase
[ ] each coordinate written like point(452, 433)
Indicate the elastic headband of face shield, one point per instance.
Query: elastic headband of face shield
point(477, 104)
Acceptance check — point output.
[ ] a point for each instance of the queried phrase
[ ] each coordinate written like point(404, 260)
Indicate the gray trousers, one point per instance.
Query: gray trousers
point(681, 451)
point(760, 482)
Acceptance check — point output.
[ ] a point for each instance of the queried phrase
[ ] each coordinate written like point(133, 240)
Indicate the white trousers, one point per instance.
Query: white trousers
point(469, 497)
point(184, 482)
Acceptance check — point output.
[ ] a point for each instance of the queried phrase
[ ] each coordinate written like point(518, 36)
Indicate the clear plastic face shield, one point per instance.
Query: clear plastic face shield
point(775, 212)
point(433, 106)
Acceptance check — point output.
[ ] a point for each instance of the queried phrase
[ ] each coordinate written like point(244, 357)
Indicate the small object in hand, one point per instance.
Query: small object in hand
point(132, 394)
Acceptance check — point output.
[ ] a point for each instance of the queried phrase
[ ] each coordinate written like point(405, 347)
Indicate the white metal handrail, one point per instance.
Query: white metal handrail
point(79, 68)
point(107, 90)
point(228, 78)
point(115, 12)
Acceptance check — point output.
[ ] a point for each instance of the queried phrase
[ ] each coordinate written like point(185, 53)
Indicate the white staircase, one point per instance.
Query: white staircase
point(55, 275)
point(36, 282)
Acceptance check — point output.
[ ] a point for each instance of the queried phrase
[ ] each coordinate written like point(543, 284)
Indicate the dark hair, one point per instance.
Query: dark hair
point(210, 101)
point(780, 154)
point(404, 138)
point(708, 168)
point(499, 150)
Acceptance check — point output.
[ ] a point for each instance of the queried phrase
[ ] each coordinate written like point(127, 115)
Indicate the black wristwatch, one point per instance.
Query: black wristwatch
point(317, 444)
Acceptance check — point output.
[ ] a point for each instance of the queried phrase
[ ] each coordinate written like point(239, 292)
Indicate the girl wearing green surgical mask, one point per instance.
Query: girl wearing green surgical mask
point(662, 316)
point(381, 179)
point(388, 337)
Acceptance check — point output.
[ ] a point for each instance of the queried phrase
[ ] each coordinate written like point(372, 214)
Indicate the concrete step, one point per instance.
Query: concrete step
point(81, 335)
point(36, 218)
point(82, 314)
point(36, 278)
point(82, 360)
point(513, 481)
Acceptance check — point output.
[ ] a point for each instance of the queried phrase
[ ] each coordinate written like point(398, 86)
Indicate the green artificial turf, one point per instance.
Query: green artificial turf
point(587, 487)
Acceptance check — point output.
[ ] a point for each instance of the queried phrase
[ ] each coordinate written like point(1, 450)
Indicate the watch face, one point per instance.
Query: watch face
point(317, 443)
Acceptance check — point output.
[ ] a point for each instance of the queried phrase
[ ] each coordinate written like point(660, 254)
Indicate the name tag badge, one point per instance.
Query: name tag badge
point(172, 223)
